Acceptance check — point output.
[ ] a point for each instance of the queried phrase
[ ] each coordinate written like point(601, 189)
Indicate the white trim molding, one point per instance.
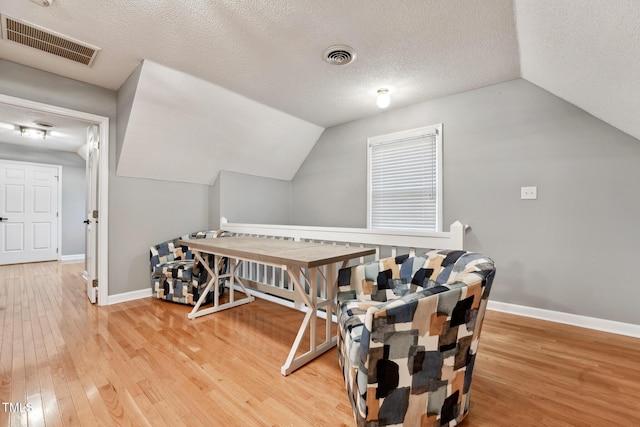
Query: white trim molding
point(129, 296)
point(452, 239)
point(603, 325)
point(72, 258)
point(103, 180)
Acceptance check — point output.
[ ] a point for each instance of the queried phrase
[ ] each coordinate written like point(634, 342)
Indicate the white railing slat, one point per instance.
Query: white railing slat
point(270, 277)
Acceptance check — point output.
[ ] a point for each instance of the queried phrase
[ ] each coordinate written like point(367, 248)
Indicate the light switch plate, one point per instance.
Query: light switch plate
point(528, 193)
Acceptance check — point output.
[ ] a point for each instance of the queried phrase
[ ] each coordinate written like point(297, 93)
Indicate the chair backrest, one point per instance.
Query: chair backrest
point(170, 251)
point(390, 278)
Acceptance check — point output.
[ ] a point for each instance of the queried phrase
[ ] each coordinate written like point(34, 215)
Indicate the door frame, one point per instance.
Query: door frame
point(58, 201)
point(103, 181)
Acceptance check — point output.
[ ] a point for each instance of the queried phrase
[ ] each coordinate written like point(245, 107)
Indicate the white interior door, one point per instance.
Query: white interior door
point(29, 212)
point(91, 218)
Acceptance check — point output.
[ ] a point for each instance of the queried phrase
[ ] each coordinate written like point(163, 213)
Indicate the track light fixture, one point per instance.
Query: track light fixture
point(33, 132)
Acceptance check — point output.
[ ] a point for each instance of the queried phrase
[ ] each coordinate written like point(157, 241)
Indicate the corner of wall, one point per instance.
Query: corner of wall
point(214, 204)
point(124, 104)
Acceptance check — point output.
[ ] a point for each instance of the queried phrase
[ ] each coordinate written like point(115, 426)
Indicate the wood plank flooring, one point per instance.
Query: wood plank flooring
point(143, 363)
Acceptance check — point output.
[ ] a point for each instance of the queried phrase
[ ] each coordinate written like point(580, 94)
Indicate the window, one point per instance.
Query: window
point(405, 181)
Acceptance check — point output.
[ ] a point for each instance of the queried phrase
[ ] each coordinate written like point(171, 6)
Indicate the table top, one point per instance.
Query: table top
point(284, 252)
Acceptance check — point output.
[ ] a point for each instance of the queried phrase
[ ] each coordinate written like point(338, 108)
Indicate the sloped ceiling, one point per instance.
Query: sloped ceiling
point(270, 52)
point(213, 129)
point(586, 52)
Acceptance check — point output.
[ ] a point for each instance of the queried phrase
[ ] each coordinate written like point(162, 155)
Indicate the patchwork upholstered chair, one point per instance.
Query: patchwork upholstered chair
point(408, 336)
point(175, 275)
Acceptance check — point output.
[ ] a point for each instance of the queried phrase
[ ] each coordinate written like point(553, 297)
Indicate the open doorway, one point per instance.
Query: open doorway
point(96, 218)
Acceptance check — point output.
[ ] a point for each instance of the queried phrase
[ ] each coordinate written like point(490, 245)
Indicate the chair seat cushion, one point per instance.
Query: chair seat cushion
point(352, 314)
point(176, 269)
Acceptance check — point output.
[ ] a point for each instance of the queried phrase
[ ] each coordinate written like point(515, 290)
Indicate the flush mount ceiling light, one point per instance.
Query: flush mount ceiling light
point(339, 55)
point(384, 99)
point(33, 132)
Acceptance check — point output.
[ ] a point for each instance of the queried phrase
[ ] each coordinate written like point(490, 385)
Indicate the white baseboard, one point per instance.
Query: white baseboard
point(72, 258)
point(604, 325)
point(129, 296)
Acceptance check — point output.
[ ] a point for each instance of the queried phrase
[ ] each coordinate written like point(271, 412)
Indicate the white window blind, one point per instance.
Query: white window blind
point(404, 180)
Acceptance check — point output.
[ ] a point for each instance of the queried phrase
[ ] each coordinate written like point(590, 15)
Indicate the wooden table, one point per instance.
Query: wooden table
point(291, 256)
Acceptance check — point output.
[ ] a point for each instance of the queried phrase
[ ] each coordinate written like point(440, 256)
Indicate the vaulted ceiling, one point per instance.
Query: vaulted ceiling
point(270, 52)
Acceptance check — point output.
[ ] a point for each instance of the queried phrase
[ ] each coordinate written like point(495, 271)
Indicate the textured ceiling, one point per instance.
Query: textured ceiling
point(66, 134)
point(586, 52)
point(271, 51)
point(214, 129)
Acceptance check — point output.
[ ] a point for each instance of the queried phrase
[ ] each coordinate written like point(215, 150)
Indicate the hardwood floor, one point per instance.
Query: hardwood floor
point(144, 363)
point(532, 372)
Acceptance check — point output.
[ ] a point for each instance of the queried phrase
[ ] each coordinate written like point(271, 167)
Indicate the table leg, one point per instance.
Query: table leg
point(331, 296)
point(292, 363)
point(214, 280)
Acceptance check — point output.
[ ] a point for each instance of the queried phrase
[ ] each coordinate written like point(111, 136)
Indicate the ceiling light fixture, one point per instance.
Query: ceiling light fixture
point(384, 99)
point(33, 132)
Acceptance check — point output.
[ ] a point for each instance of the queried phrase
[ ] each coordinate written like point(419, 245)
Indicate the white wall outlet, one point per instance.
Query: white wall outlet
point(528, 193)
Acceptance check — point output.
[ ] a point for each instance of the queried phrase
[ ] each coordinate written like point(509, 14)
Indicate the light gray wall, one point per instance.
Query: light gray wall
point(570, 251)
point(124, 104)
point(253, 199)
point(141, 212)
point(214, 204)
point(73, 190)
point(146, 212)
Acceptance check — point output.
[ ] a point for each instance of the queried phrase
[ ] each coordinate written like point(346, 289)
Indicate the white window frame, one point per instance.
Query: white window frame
point(409, 135)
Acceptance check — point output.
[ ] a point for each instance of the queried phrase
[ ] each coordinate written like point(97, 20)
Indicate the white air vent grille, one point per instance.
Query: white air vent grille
point(48, 41)
point(339, 55)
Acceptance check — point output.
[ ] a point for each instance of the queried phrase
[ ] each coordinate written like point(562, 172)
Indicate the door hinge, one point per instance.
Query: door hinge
point(95, 214)
point(56, 250)
point(94, 283)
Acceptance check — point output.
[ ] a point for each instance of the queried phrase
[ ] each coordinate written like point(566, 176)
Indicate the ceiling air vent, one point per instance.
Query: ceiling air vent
point(339, 55)
point(48, 41)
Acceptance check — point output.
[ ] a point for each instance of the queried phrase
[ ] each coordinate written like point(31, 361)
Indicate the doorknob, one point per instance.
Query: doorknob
point(86, 221)
point(2, 219)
